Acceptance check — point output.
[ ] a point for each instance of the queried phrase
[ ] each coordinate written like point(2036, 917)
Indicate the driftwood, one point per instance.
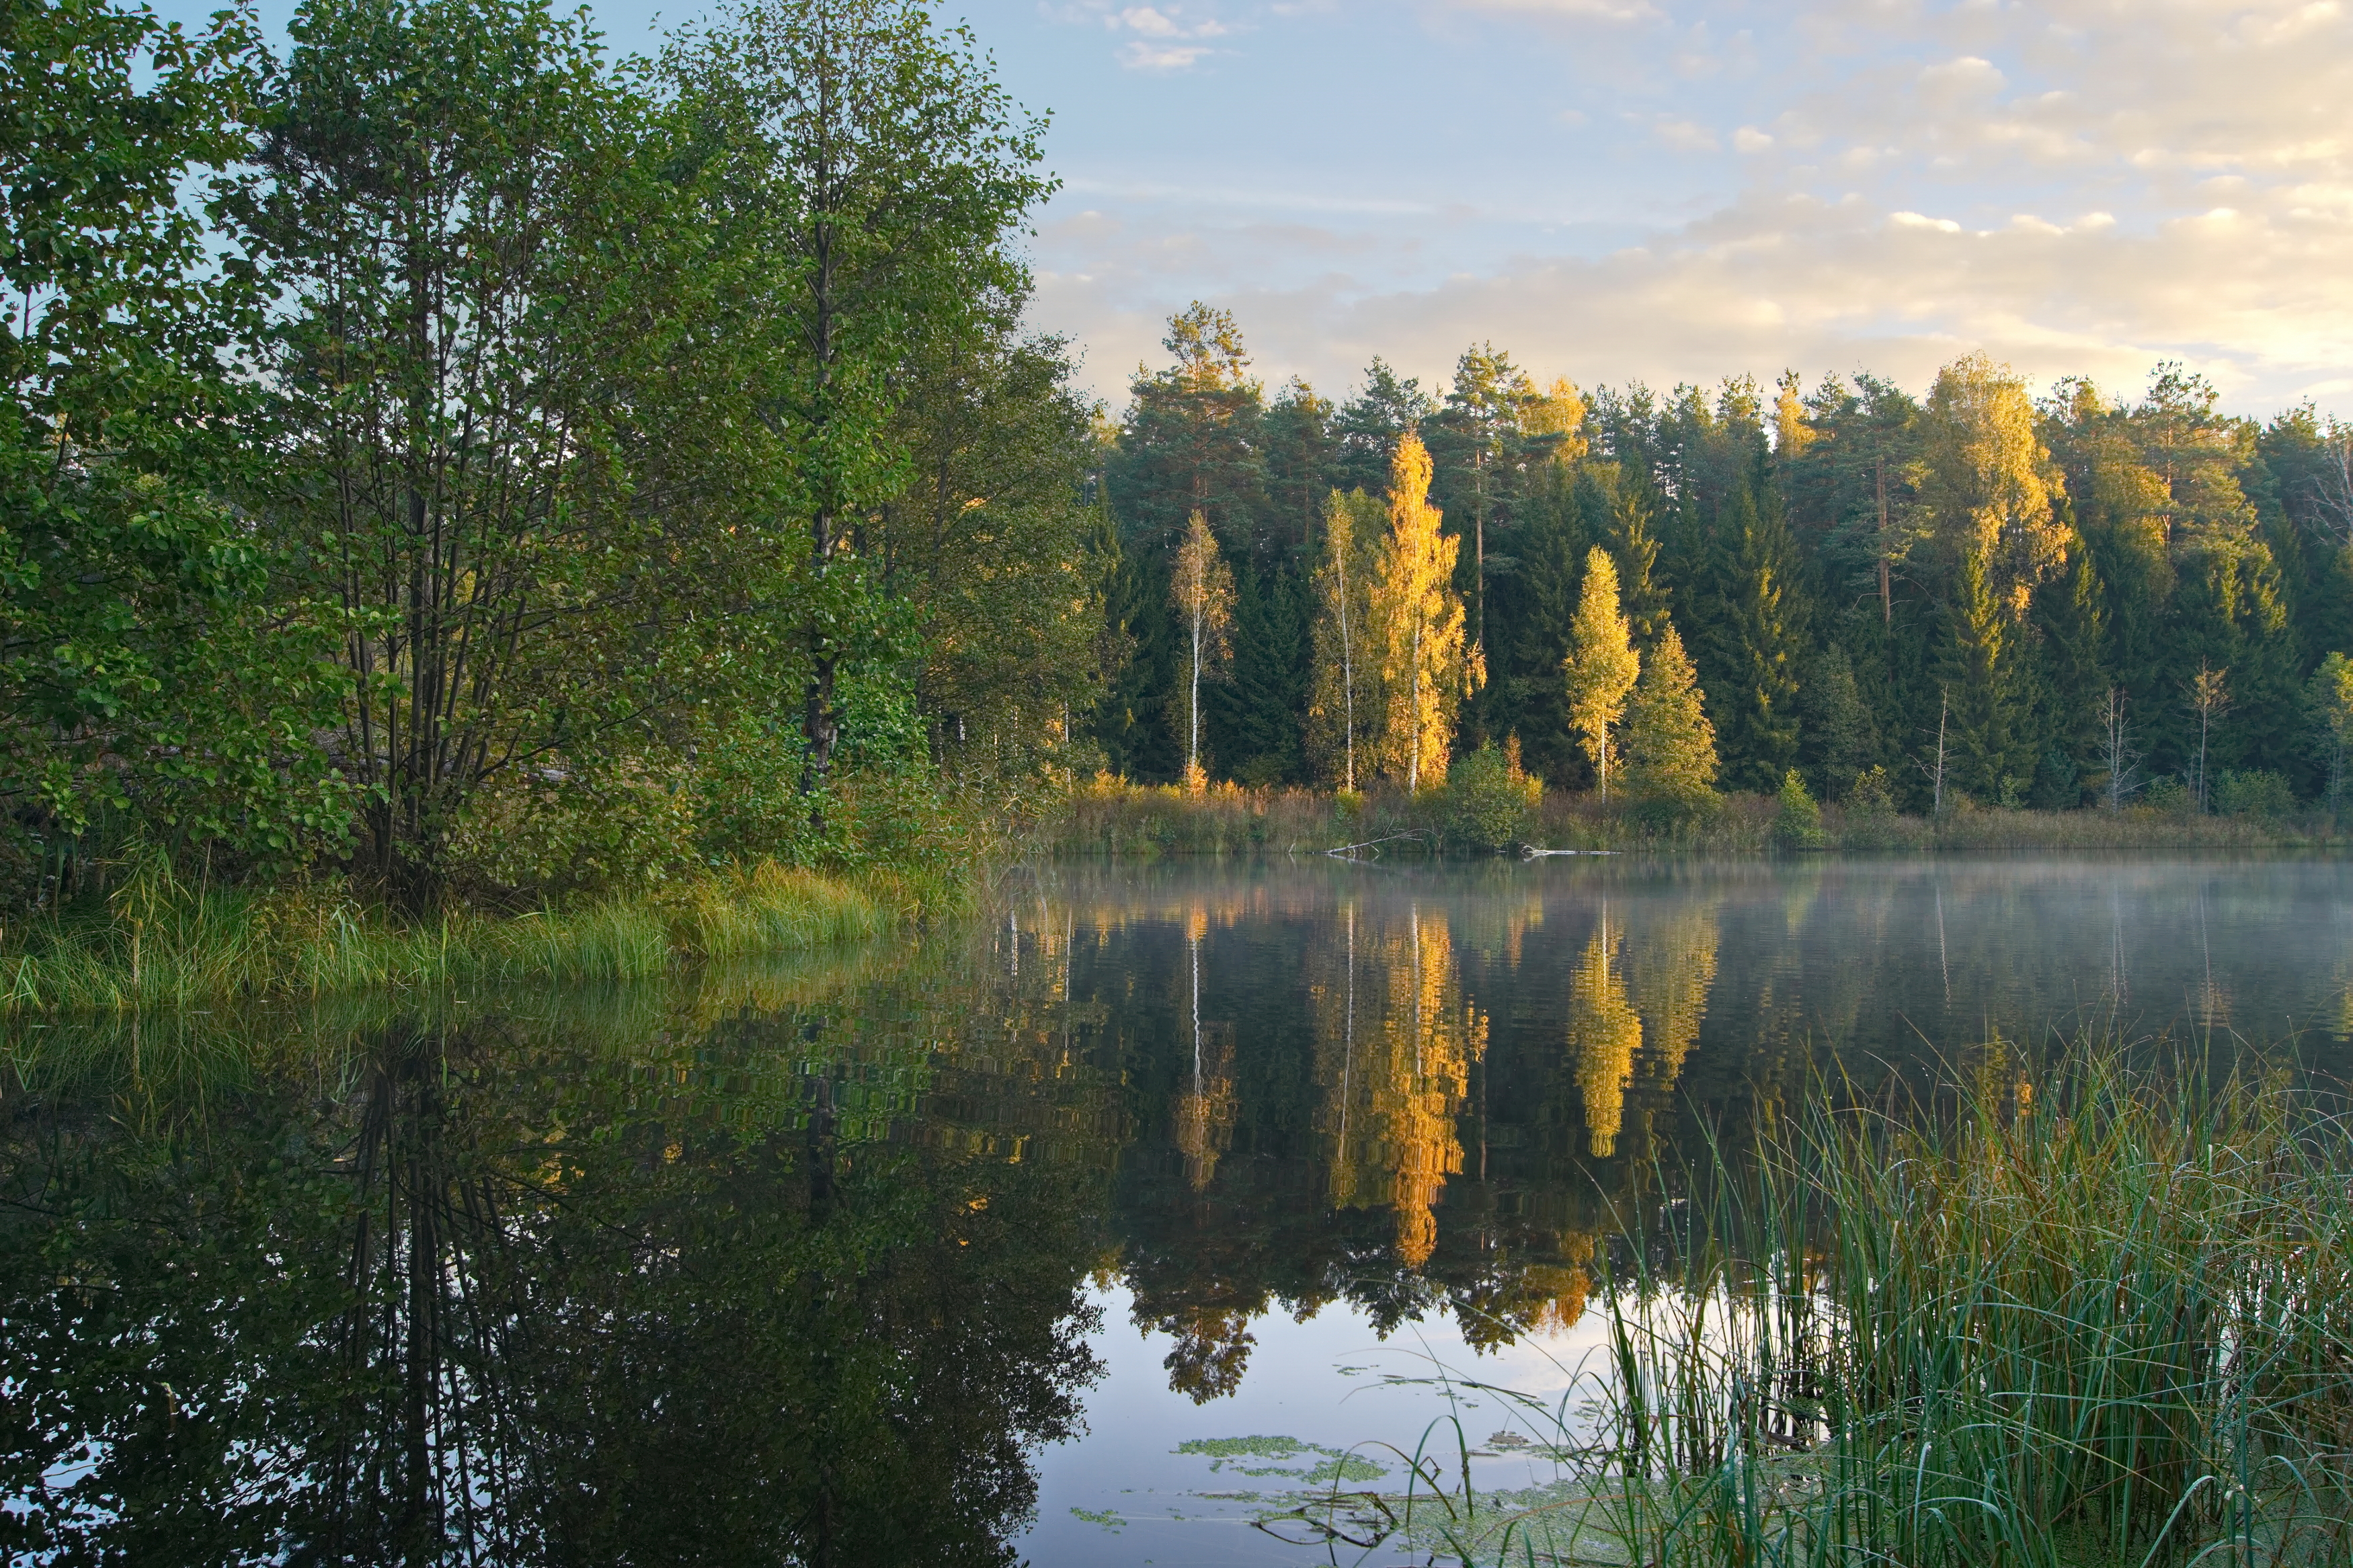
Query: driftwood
point(1530, 852)
point(1349, 851)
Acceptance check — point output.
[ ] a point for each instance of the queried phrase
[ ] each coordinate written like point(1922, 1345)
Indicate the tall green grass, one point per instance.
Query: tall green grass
point(163, 945)
point(2104, 1316)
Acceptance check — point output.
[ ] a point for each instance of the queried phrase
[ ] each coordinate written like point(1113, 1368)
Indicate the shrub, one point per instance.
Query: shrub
point(1488, 799)
point(2254, 793)
point(1799, 823)
point(2167, 797)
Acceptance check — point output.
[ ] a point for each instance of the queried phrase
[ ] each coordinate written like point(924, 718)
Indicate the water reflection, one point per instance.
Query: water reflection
point(794, 1265)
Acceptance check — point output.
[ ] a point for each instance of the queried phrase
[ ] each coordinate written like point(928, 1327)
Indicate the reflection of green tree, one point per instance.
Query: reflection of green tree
point(499, 1294)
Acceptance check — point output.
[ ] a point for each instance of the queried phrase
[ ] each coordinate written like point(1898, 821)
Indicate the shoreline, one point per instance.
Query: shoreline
point(1121, 821)
point(317, 940)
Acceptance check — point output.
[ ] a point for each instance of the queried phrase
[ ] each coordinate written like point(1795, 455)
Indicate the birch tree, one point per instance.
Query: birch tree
point(1201, 586)
point(1601, 666)
point(1427, 667)
point(1343, 703)
point(1989, 480)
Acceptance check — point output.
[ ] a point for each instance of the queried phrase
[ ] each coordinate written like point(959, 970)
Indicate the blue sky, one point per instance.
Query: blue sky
point(1613, 189)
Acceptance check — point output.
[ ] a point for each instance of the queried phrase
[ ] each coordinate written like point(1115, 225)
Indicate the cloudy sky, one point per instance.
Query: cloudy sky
point(1678, 190)
point(1685, 189)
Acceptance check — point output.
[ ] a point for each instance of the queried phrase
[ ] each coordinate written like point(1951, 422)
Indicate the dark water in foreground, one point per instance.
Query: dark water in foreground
point(1079, 1233)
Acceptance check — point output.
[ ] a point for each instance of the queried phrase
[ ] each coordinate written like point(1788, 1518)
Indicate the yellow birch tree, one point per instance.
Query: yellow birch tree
point(1427, 667)
point(1203, 589)
point(1600, 665)
point(1990, 480)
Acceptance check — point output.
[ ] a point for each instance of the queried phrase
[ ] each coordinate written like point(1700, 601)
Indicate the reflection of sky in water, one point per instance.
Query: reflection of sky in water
point(1325, 1383)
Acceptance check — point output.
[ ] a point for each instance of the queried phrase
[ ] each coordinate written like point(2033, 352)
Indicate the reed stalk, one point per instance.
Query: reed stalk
point(2099, 1315)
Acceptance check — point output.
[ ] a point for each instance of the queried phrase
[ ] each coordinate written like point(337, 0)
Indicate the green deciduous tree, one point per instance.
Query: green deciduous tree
point(471, 428)
point(148, 671)
point(862, 168)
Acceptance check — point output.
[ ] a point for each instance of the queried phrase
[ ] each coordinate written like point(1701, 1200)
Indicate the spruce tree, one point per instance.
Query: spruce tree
point(1532, 635)
point(1840, 735)
point(1749, 662)
point(1670, 746)
point(1977, 676)
point(1258, 714)
point(2070, 679)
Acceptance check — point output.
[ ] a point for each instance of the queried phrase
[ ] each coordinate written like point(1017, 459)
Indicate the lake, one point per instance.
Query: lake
point(1090, 1229)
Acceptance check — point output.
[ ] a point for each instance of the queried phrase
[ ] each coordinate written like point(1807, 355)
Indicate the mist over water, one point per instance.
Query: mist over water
point(1012, 1239)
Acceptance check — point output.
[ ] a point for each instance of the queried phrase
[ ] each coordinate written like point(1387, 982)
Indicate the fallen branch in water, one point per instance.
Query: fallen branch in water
point(1349, 851)
point(1530, 852)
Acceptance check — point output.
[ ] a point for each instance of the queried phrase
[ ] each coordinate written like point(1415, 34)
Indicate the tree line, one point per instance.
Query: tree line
point(2051, 602)
point(445, 453)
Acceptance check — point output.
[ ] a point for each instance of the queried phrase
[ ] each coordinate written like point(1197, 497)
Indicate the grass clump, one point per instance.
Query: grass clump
point(2104, 1316)
point(159, 942)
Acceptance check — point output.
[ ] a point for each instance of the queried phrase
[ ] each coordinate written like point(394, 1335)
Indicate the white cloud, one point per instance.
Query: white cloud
point(1575, 10)
point(1685, 135)
point(1748, 139)
point(1141, 55)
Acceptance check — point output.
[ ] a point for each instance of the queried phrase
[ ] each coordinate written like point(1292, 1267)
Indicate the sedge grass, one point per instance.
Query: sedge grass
point(1111, 818)
point(2101, 1316)
point(164, 945)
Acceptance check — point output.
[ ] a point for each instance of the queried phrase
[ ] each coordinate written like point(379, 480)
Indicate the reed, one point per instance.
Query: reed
point(2103, 1315)
point(1111, 818)
point(163, 944)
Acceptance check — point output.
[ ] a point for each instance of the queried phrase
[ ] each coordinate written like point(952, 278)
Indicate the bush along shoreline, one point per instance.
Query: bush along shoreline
point(1489, 806)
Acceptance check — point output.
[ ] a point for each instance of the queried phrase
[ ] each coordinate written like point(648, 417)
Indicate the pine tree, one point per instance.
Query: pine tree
point(1193, 438)
point(1418, 621)
point(1386, 407)
point(1301, 462)
point(1669, 745)
point(1601, 667)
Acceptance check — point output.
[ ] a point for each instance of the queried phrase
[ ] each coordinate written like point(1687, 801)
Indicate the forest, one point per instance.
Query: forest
point(2081, 599)
point(448, 460)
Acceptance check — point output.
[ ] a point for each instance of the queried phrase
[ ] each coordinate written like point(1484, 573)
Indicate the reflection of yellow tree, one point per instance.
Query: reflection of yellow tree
point(1671, 965)
point(1603, 1031)
point(1205, 1113)
point(1394, 1040)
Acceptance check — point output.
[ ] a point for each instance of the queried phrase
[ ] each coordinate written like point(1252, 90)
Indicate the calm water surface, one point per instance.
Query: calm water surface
point(1084, 1232)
